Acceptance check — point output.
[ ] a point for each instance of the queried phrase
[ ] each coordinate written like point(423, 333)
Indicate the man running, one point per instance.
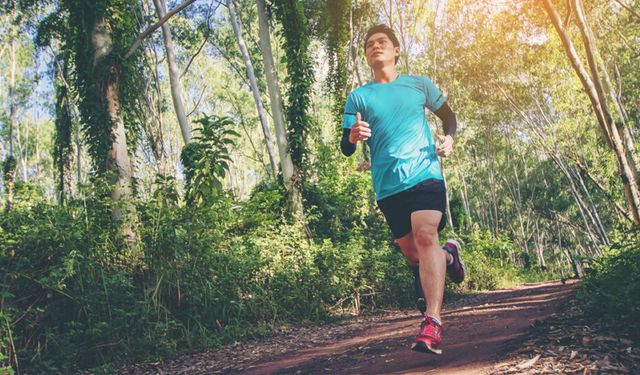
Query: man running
point(388, 113)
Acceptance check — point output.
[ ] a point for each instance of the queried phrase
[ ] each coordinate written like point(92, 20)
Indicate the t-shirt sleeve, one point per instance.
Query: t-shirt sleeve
point(350, 109)
point(434, 97)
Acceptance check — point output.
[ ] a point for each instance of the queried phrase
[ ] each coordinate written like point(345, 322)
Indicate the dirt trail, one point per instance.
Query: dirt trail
point(478, 330)
point(474, 336)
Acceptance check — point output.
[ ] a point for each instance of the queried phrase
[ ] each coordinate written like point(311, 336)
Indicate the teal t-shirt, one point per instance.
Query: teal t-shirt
point(403, 151)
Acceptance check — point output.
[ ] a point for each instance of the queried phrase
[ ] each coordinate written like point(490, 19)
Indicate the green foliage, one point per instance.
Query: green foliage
point(339, 205)
point(611, 289)
point(492, 263)
point(295, 36)
point(206, 159)
point(9, 169)
point(208, 276)
point(337, 38)
point(75, 297)
point(95, 36)
point(220, 269)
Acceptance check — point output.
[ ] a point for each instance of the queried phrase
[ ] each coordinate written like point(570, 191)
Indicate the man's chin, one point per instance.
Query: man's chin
point(377, 64)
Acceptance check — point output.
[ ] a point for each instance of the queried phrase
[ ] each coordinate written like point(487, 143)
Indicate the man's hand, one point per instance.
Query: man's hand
point(360, 131)
point(446, 145)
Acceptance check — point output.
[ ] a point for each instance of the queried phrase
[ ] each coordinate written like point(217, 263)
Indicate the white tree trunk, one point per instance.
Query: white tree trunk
point(10, 174)
point(118, 157)
point(12, 93)
point(274, 93)
point(174, 75)
point(235, 22)
point(275, 98)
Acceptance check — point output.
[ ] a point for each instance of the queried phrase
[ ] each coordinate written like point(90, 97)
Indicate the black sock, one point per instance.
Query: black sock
point(416, 281)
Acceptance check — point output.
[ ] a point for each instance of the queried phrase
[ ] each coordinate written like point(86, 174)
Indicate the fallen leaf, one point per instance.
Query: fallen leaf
point(529, 363)
point(573, 355)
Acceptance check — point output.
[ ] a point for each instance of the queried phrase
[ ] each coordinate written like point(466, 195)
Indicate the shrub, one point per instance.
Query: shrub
point(611, 289)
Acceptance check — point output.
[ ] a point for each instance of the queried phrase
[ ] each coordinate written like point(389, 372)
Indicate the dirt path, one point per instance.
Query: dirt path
point(477, 331)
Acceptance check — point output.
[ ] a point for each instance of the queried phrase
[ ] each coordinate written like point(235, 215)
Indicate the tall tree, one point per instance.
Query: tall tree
point(10, 164)
point(253, 82)
point(593, 87)
point(97, 34)
point(295, 37)
point(174, 75)
point(63, 125)
point(275, 98)
point(338, 33)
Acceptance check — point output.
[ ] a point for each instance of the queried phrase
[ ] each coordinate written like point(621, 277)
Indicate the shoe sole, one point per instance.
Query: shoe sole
point(464, 268)
point(421, 347)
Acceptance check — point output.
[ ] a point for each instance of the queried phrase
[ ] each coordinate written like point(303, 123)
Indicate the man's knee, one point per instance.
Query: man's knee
point(426, 236)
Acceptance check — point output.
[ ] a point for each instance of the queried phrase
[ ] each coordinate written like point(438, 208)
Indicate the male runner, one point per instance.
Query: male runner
point(388, 113)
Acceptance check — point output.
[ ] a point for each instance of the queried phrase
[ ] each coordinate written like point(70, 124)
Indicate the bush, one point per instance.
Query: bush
point(74, 296)
point(488, 266)
point(611, 289)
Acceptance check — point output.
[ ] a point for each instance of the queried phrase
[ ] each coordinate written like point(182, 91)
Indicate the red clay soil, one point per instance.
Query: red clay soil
point(478, 331)
point(474, 336)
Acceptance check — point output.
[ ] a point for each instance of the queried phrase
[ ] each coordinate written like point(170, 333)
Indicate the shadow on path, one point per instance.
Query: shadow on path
point(473, 337)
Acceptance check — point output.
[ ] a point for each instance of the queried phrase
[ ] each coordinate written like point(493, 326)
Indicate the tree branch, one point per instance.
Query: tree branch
point(206, 39)
point(628, 8)
point(136, 43)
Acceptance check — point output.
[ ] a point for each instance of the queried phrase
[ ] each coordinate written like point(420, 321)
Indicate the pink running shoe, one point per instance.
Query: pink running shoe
point(428, 340)
point(456, 270)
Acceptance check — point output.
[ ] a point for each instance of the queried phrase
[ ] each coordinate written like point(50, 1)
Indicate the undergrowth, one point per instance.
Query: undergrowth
point(75, 296)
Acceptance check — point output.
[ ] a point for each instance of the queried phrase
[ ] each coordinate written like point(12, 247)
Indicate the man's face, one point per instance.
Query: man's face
point(380, 51)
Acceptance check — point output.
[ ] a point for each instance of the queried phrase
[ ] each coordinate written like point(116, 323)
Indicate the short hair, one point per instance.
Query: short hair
point(382, 28)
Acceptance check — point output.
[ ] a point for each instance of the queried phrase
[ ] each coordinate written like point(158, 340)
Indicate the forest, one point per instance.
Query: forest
point(172, 177)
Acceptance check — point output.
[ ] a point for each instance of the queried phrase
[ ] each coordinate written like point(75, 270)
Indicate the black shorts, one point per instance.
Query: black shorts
point(428, 195)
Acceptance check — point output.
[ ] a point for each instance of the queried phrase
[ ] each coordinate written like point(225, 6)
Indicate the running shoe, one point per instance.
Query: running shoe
point(428, 340)
point(456, 270)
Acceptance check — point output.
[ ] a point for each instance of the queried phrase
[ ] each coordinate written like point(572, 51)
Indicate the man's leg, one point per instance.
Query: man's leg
point(407, 246)
point(432, 260)
point(408, 249)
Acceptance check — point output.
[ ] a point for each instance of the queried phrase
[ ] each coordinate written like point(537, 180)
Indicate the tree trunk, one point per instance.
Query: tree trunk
point(155, 134)
point(622, 213)
point(286, 163)
point(542, 264)
point(10, 162)
point(594, 210)
point(24, 150)
point(440, 5)
point(465, 198)
point(589, 222)
point(447, 198)
point(626, 149)
point(593, 88)
point(254, 85)
point(174, 75)
point(63, 125)
point(78, 158)
point(118, 157)
point(353, 50)
point(494, 199)
point(12, 92)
